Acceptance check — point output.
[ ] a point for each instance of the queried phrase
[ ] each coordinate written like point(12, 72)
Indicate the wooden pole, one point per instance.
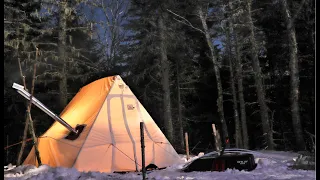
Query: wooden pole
point(31, 127)
point(25, 131)
point(187, 145)
point(34, 139)
point(7, 158)
point(142, 150)
point(216, 137)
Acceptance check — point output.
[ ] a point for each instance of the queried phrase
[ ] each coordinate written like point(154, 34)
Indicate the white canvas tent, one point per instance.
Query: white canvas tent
point(110, 140)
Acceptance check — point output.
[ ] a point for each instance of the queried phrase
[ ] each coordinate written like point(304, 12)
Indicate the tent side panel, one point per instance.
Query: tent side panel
point(82, 109)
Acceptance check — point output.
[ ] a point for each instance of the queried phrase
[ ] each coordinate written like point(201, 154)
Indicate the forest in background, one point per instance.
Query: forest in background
point(247, 66)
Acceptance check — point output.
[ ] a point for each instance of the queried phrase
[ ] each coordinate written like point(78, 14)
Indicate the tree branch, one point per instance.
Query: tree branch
point(185, 21)
point(298, 11)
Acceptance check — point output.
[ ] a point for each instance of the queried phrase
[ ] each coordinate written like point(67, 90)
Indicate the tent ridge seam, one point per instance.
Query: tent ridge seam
point(129, 132)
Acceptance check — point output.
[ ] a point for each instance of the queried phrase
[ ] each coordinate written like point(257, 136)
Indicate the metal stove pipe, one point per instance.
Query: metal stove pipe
point(20, 89)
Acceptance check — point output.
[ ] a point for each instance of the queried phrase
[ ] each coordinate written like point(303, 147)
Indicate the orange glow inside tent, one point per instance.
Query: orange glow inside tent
point(110, 141)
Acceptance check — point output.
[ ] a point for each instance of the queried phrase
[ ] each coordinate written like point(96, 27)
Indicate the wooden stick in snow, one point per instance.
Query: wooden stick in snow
point(216, 137)
point(31, 127)
point(25, 131)
point(7, 158)
point(187, 145)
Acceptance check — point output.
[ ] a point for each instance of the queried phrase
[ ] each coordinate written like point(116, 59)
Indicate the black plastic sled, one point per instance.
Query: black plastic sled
point(215, 162)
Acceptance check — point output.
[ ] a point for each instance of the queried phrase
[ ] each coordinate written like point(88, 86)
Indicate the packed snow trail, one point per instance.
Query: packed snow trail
point(272, 165)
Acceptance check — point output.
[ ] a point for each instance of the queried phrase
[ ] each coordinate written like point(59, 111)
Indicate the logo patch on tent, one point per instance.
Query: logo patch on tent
point(130, 106)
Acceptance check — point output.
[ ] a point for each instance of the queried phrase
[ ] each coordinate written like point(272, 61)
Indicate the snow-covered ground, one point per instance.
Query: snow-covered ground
point(272, 165)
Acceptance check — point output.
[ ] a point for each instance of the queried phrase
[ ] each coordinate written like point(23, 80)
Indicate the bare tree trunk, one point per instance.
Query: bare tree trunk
point(165, 70)
point(217, 75)
point(62, 54)
point(242, 103)
point(239, 79)
point(114, 13)
point(179, 120)
point(237, 137)
point(294, 78)
point(258, 82)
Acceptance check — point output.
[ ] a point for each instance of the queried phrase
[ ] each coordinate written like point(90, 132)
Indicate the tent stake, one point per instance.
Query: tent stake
point(187, 145)
point(142, 150)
